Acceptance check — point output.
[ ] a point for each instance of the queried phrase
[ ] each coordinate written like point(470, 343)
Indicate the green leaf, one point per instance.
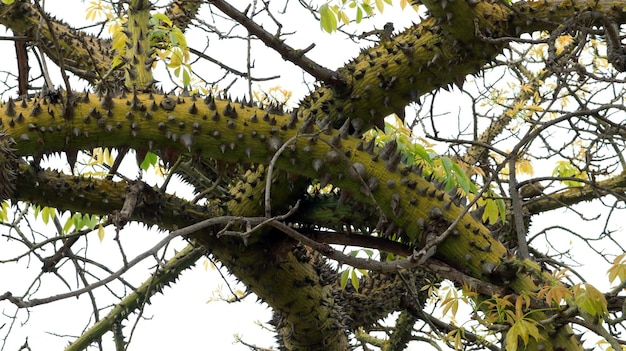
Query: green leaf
point(501, 209)
point(446, 162)
point(491, 213)
point(8, 2)
point(344, 278)
point(359, 15)
point(47, 213)
point(36, 210)
point(421, 152)
point(369, 10)
point(461, 178)
point(590, 299)
point(150, 160)
point(567, 169)
point(186, 78)
point(162, 17)
point(177, 38)
point(354, 279)
point(68, 225)
point(328, 20)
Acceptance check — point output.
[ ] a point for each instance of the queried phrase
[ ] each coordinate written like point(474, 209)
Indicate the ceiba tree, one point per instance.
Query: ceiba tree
point(261, 221)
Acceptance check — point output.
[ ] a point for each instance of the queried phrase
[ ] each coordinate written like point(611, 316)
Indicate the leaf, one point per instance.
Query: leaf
point(149, 160)
point(119, 40)
point(8, 2)
point(524, 166)
point(175, 61)
point(461, 178)
point(421, 152)
point(501, 209)
point(107, 157)
point(590, 299)
point(446, 162)
point(618, 269)
point(162, 17)
point(450, 303)
point(344, 278)
point(562, 42)
point(68, 225)
point(523, 329)
point(554, 295)
point(177, 38)
point(354, 279)
point(343, 16)
point(100, 232)
point(369, 10)
point(4, 214)
point(492, 213)
point(380, 6)
point(47, 213)
point(328, 20)
point(186, 78)
point(566, 169)
point(455, 337)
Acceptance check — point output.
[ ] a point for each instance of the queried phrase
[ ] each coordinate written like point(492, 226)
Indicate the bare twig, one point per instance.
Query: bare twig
point(288, 53)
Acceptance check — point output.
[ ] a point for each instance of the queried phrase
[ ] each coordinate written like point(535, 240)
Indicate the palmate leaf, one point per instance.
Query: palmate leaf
point(590, 299)
point(618, 269)
point(523, 329)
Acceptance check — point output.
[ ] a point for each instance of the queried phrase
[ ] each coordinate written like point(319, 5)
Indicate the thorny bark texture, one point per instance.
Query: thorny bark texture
point(321, 139)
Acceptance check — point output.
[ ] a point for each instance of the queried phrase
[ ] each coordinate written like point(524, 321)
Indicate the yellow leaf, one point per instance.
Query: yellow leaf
point(100, 232)
point(562, 42)
point(380, 5)
point(524, 166)
point(175, 58)
point(119, 40)
point(555, 294)
point(523, 329)
point(527, 88)
point(491, 213)
point(456, 337)
point(618, 269)
point(108, 158)
point(590, 299)
point(344, 17)
point(4, 214)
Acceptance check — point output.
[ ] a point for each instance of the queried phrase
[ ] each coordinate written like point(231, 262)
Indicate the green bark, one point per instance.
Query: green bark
point(224, 131)
point(379, 81)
